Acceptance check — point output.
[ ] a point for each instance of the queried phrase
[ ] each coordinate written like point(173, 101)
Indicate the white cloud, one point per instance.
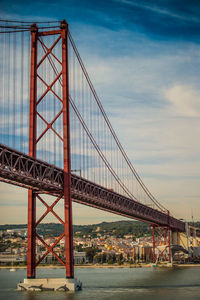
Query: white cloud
point(158, 10)
point(145, 113)
point(185, 100)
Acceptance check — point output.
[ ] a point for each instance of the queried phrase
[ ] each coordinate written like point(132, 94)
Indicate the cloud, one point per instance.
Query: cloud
point(159, 10)
point(184, 100)
point(148, 83)
point(172, 20)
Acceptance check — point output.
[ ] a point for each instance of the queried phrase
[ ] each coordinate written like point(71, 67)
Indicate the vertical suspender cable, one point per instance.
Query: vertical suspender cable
point(22, 93)
point(83, 133)
point(8, 91)
point(28, 86)
point(14, 90)
point(3, 86)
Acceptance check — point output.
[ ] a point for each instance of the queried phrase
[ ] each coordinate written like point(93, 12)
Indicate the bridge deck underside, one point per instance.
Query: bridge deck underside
point(20, 169)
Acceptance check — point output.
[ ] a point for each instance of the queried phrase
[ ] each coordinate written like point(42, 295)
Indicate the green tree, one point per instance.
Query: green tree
point(120, 259)
point(79, 248)
point(104, 258)
point(111, 258)
point(99, 258)
point(90, 253)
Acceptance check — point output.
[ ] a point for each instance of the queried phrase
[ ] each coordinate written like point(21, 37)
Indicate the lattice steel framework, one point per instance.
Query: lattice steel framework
point(162, 243)
point(34, 139)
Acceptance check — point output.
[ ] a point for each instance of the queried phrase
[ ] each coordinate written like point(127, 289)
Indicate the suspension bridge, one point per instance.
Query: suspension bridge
point(56, 139)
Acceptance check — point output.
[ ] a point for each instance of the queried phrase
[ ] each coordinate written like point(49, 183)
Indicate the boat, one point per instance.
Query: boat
point(154, 265)
point(13, 270)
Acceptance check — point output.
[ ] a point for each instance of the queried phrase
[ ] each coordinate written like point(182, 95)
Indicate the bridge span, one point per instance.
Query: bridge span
point(20, 169)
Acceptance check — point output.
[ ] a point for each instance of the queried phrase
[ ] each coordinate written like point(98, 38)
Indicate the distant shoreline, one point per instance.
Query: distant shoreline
point(106, 266)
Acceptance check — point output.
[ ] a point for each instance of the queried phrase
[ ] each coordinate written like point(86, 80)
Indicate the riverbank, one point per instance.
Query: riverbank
point(103, 266)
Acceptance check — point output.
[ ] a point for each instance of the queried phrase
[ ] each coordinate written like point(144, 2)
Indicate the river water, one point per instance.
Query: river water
point(107, 283)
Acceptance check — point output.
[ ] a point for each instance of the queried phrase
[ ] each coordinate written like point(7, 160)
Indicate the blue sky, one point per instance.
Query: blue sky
point(143, 58)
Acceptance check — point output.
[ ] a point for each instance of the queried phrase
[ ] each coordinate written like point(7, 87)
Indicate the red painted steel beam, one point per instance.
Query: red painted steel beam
point(49, 50)
point(169, 242)
point(49, 32)
point(67, 156)
point(31, 250)
point(153, 234)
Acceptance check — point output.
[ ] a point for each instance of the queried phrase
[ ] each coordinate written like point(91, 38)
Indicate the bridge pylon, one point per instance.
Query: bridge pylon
point(161, 244)
point(36, 97)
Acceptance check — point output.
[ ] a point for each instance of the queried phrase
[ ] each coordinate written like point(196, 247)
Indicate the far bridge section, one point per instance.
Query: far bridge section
point(20, 169)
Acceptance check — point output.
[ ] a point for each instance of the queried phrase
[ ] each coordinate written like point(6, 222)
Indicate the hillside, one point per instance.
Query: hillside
point(117, 229)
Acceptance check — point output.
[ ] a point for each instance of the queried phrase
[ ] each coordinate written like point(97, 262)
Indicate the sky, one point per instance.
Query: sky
point(143, 58)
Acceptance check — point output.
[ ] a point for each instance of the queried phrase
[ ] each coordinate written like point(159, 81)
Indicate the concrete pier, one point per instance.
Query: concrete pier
point(50, 284)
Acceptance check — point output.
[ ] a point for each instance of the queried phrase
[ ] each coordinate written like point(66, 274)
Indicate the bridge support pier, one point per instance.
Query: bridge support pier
point(50, 284)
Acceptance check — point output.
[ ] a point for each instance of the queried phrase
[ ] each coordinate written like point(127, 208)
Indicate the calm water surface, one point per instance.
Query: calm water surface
point(126, 283)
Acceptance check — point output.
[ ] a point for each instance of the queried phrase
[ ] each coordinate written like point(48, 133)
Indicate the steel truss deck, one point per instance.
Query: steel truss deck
point(20, 169)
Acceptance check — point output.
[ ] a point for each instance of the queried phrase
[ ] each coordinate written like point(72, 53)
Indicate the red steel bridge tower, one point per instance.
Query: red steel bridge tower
point(61, 35)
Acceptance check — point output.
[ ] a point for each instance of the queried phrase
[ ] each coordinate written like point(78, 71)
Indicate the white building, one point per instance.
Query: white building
point(79, 258)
